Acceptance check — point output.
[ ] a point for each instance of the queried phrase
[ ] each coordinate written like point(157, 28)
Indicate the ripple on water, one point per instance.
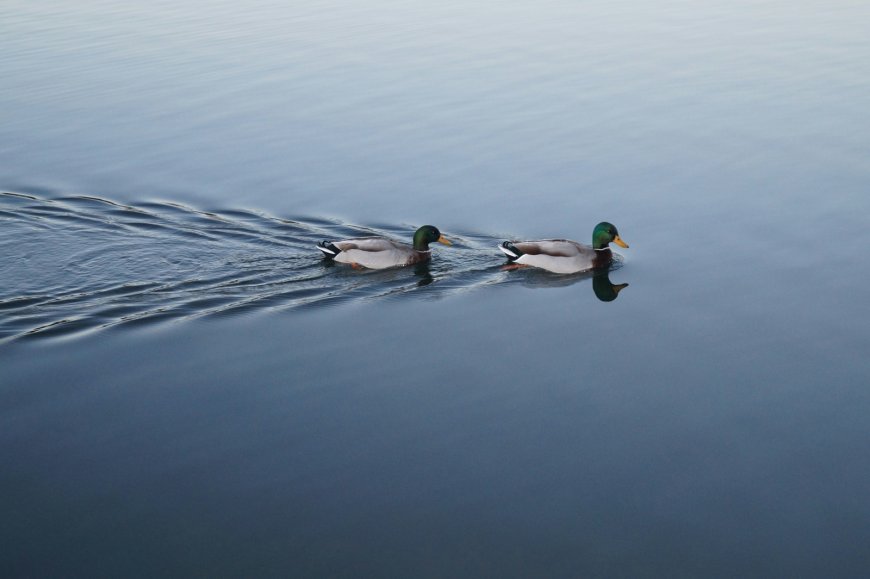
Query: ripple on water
point(91, 263)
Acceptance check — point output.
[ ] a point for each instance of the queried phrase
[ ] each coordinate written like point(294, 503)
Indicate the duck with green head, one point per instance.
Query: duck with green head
point(564, 255)
point(382, 253)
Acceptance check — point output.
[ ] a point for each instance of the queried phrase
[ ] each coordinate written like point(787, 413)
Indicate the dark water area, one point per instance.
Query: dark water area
point(188, 389)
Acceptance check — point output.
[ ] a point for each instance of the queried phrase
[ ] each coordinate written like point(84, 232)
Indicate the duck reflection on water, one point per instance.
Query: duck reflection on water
point(604, 289)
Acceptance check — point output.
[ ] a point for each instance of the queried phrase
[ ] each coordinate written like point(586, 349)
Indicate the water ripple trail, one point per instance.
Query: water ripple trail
point(74, 264)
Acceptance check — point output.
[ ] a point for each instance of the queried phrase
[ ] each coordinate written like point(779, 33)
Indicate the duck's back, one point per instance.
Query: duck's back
point(554, 248)
point(367, 244)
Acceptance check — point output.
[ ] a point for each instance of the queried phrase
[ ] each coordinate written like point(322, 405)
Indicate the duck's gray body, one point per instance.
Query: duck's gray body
point(556, 255)
point(374, 252)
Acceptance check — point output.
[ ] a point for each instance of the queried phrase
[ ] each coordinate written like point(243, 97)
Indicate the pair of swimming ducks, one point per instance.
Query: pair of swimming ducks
point(555, 255)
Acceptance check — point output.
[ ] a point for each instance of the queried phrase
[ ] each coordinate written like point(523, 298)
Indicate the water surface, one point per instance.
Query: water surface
point(186, 388)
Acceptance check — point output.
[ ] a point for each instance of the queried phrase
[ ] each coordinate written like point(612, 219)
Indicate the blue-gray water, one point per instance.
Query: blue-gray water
point(186, 388)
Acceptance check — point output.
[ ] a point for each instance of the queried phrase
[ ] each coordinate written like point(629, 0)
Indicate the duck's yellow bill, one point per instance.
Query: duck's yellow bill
point(618, 241)
point(445, 241)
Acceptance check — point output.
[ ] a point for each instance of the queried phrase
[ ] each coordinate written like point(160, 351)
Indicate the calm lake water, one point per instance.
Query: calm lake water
point(187, 389)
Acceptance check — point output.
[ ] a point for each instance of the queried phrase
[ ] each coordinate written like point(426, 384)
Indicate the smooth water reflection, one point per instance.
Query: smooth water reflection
point(487, 115)
point(511, 432)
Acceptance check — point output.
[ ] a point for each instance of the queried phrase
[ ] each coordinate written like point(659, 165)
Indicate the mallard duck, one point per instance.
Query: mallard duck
point(380, 252)
point(563, 255)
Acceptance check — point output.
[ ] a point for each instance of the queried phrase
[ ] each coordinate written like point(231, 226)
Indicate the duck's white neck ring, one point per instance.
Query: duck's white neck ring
point(602, 249)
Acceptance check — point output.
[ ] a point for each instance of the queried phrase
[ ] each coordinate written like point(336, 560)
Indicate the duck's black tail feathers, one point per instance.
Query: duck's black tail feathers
point(510, 250)
point(328, 248)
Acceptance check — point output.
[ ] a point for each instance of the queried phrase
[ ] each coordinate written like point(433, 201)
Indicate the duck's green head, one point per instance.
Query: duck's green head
point(603, 234)
point(426, 235)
